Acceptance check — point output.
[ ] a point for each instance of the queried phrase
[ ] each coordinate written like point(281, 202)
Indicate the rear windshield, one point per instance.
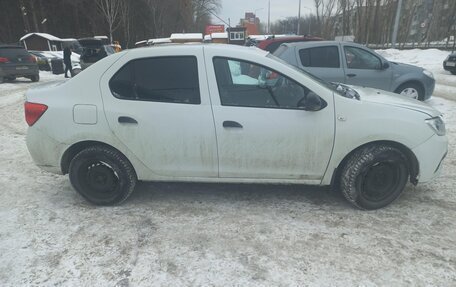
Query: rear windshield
point(13, 52)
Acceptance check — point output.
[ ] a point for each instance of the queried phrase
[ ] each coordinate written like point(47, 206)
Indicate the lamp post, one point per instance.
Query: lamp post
point(310, 18)
point(299, 19)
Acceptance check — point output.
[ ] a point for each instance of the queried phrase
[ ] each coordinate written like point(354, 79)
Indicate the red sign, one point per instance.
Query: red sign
point(214, 29)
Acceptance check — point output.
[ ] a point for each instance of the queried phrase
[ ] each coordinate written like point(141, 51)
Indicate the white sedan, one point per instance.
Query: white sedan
point(222, 113)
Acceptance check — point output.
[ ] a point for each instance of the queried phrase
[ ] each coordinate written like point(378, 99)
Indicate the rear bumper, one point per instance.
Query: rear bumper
point(13, 71)
point(45, 151)
point(430, 156)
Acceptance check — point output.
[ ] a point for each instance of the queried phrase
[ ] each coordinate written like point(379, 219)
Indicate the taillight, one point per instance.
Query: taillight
point(4, 60)
point(33, 112)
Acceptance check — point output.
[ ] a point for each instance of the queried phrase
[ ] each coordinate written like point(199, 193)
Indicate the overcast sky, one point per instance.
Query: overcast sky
point(235, 9)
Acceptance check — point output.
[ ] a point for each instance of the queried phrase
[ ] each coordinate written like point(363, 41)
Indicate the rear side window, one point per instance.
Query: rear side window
point(164, 79)
point(13, 52)
point(320, 57)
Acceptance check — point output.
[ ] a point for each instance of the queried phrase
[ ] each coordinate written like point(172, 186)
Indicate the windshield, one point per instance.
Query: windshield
point(313, 77)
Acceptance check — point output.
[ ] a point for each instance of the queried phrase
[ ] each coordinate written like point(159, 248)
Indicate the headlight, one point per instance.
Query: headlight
point(437, 125)
point(428, 73)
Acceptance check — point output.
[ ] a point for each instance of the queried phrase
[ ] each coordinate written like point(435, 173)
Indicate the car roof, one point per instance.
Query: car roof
point(210, 46)
point(319, 43)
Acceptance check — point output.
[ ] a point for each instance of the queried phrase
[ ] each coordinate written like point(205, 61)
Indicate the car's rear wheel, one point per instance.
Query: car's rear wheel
point(102, 175)
point(35, 78)
point(374, 176)
point(411, 90)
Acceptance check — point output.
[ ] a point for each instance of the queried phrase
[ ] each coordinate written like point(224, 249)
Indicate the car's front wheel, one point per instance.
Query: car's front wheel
point(102, 175)
point(411, 90)
point(374, 176)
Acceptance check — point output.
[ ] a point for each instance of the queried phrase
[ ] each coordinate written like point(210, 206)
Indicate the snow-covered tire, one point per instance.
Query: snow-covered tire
point(411, 90)
point(102, 175)
point(374, 176)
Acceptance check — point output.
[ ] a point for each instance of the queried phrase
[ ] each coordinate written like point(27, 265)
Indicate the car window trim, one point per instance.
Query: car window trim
point(269, 68)
point(133, 79)
point(369, 52)
point(317, 47)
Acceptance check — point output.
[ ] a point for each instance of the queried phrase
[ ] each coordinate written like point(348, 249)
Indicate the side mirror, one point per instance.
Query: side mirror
point(385, 65)
point(312, 102)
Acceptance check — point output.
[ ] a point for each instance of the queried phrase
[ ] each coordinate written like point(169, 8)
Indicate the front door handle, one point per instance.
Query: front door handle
point(351, 75)
point(127, 120)
point(231, 124)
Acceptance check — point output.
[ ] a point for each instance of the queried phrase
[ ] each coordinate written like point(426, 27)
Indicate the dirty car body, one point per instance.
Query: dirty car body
point(220, 113)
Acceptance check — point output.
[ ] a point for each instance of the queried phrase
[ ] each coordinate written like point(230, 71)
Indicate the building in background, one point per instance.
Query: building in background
point(251, 22)
point(41, 42)
point(236, 35)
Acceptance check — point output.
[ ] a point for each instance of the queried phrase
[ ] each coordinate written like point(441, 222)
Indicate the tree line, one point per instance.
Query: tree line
point(126, 21)
point(129, 21)
point(372, 21)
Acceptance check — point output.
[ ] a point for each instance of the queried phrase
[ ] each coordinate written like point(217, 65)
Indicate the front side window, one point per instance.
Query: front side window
point(320, 57)
point(164, 79)
point(360, 59)
point(247, 84)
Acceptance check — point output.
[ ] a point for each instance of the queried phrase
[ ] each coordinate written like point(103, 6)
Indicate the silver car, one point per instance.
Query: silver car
point(354, 64)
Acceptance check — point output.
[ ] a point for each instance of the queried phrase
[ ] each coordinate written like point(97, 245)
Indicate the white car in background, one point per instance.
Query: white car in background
point(222, 113)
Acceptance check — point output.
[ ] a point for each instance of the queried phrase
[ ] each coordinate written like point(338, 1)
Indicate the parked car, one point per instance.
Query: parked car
point(224, 113)
point(42, 60)
point(93, 50)
point(450, 63)
point(16, 62)
point(354, 64)
point(273, 43)
point(56, 58)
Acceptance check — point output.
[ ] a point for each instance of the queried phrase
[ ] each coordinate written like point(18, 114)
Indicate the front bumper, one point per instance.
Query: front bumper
point(447, 67)
point(430, 155)
point(429, 84)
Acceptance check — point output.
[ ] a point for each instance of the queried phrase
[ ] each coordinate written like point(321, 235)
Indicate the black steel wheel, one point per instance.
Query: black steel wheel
point(374, 176)
point(102, 175)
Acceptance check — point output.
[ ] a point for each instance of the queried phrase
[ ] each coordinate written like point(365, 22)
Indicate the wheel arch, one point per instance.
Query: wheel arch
point(412, 161)
point(74, 149)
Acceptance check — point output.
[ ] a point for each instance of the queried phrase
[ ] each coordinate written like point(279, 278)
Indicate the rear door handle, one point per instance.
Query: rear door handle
point(231, 124)
point(127, 120)
point(351, 75)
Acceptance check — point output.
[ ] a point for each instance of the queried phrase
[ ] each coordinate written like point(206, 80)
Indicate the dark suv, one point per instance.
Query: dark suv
point(450, 63)
point(16, 62)
point(93, 50)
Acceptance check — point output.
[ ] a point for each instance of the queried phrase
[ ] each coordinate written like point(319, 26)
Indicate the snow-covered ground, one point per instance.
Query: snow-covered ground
point(175, 234)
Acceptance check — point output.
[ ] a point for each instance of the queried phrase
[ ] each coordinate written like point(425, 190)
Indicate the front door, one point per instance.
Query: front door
point(261, 130)
point(363, 68)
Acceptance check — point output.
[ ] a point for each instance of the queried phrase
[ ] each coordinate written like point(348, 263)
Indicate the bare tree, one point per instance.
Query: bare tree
point(111, 11)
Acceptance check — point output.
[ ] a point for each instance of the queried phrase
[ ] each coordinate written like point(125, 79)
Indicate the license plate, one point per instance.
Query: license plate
point(451, 64)
point(22, 68)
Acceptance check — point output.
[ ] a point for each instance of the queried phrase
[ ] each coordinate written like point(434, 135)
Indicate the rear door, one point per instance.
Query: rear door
point(364, 68)
point(159, 108)
point(322, 61)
